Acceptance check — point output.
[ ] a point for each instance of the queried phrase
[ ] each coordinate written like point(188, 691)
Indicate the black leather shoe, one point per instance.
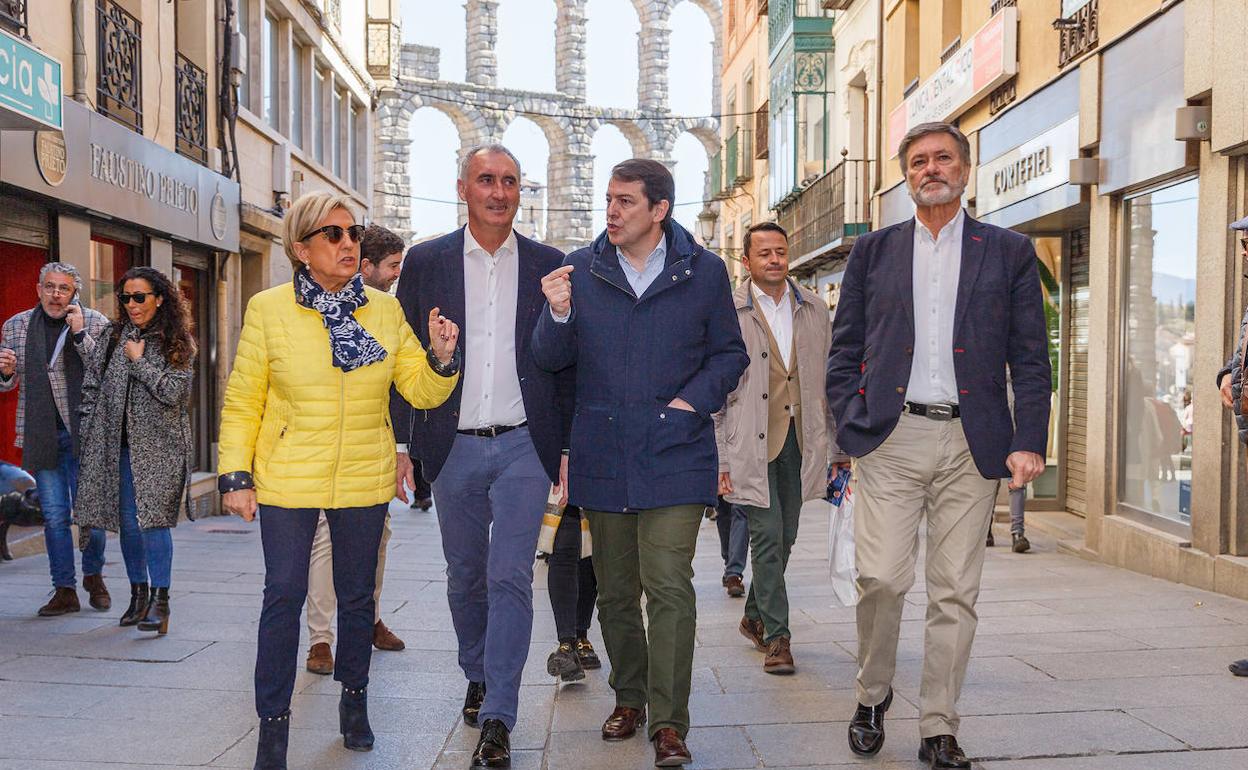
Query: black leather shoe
point(1239, 667)
point(866, 729)
point(472, 702)
point(941, 752)
point(494, 748)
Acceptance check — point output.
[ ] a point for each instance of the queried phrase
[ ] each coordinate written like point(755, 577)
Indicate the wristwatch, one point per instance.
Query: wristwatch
point(449, 369)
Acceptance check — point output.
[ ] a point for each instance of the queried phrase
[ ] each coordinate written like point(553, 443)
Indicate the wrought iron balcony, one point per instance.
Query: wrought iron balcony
point(1080, 33)
point(997, 5)
point(834, 208)
point(13, 17)
point(192, 108)
point(762, 129)
point(119, 45)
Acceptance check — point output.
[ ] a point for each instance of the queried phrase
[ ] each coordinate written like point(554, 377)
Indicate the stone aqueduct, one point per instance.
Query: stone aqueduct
point(482, 111)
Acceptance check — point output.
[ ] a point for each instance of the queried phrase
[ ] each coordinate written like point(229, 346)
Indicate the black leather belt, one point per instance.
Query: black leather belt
point(934, 411)
point(492, 431)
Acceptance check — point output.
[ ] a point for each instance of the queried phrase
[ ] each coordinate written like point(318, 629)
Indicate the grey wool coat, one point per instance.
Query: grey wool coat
point(158, 429)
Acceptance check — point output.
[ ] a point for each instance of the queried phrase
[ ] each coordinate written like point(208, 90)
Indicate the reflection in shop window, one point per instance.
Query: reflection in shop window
point(109, 262)
point(1160, 338)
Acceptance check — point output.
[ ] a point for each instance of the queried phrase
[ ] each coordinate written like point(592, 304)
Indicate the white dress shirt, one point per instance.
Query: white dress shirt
point(779, 317)
point(491, 393)
point(937, 265)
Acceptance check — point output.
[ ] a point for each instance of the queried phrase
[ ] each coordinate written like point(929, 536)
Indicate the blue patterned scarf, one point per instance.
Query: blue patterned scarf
point(351, 345)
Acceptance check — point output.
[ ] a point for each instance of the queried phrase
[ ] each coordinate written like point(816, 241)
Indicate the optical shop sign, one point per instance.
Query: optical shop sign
point(984, 62)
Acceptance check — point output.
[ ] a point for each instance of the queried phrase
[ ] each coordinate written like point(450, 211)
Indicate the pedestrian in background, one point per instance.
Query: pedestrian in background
point(494, 449)
point(304, 429)
point(931, 312)
point(45, 350)
point(1231, 384)
point(645, 314)
point(573, 589)
point(136, 436)
point(734, 545)
point(772, 433)
point(381, 256)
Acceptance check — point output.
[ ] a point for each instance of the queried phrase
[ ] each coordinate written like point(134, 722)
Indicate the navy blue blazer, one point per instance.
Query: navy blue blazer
point(433, 276)
point(633, 355)
point(998, 322)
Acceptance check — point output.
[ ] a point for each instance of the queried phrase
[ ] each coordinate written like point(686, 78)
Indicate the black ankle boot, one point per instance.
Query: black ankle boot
point(271, 748)
point(157, 616)
point(139, 597)
point(357, 735)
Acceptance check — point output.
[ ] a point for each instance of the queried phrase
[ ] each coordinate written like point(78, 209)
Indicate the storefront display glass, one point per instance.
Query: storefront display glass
point(109, 262)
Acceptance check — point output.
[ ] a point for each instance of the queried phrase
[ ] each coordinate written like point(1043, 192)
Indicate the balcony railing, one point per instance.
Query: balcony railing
point(1080, 34)
point(192, 108)
point(13, 16)
point(835, 206)
point(762, 131)
point(997, 5)
point(119, 43)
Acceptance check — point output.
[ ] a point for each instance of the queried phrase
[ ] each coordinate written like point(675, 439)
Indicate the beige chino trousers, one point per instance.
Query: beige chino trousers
point(322, 601)
point(924, 466)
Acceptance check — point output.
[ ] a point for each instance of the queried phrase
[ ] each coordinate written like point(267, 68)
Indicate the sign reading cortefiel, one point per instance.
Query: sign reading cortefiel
point(984, 62)
point(30, 86)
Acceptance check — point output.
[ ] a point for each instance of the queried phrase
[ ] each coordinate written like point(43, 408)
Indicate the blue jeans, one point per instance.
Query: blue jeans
point(734, 536)
point(57, 489)
point(147, 552)
point(490, 497)
point(286, 535)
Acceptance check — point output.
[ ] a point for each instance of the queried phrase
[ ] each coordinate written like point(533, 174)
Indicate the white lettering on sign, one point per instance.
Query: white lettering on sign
point(17, 73)
point(128, 174)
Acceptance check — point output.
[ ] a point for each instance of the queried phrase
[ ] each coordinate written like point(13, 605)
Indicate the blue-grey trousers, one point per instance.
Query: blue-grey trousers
point(490, 496)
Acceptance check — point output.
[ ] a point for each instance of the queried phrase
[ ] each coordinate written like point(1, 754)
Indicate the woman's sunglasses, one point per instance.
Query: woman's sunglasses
point(333, 233)
point(138, 297)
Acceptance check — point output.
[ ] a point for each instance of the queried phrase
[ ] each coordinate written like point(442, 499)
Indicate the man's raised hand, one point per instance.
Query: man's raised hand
point(557, 286)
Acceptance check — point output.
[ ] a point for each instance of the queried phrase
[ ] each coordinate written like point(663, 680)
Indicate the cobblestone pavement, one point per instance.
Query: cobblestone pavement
point(1076, 667)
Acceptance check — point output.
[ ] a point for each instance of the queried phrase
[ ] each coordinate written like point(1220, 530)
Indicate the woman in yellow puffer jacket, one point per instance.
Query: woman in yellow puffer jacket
point(306, 428)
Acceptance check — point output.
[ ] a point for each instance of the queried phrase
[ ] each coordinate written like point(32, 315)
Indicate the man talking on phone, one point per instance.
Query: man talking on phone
point(43, 349)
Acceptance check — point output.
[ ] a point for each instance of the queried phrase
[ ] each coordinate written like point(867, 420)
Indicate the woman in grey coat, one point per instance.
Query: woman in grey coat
point(136, 436)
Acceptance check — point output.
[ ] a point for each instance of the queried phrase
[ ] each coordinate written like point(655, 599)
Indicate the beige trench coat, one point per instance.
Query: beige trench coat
point(744, 418)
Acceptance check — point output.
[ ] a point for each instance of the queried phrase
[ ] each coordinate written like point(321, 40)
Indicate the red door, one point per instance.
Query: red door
point(20, 266)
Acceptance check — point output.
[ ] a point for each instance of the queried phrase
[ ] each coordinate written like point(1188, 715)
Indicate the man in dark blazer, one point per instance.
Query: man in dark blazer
point(932, 311)
point(492, 451)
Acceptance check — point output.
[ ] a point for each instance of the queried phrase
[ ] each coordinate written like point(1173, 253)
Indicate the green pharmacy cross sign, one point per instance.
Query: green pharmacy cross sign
point(30, 86)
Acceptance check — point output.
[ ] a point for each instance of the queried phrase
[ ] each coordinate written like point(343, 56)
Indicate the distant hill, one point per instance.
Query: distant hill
point(1171, 288)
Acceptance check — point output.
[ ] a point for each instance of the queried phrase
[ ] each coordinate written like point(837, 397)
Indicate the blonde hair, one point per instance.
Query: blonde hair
point(305, 215)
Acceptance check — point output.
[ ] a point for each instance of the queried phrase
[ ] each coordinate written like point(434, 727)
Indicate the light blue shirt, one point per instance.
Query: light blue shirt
point(641, 280)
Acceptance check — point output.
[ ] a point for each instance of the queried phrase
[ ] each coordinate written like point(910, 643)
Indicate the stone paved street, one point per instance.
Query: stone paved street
point(1076, 667)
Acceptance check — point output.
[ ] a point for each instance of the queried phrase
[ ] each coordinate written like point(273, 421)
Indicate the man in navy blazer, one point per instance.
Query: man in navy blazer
point(932, 311)
point(492, 451)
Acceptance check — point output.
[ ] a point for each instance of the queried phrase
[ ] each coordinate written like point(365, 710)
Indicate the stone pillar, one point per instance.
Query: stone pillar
point(482, 22)
point(392, 206)
point(570, 48)
point(570, 192)
point(653, 54)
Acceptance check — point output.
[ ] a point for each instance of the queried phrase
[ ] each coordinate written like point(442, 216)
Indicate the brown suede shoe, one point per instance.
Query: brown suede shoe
point(623, 723)
point(384, 638)
point(97, 593)
point(670, 749)
point(753, 630)
point(64, 600)
point(779, 658)
point(734, 586)
point(320, 659)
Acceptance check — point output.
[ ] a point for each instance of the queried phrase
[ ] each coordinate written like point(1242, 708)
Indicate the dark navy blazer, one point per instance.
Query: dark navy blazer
point(998, 322)
point(433, 276)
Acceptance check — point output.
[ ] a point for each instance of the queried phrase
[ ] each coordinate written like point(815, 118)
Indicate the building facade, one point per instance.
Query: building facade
point(1107, 133)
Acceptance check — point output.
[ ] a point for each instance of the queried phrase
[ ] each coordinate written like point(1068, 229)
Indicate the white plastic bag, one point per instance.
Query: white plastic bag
point(841, 567)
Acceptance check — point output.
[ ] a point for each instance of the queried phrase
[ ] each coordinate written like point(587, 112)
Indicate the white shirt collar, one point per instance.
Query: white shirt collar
point(471, 245)
point(952, 227)
point(760, 295)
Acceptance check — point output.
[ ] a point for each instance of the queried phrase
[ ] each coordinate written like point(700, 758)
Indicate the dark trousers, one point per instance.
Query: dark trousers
point(734, 536)
point(773, 531)
point(570, 580)
point(422, 490)
point(286, 534)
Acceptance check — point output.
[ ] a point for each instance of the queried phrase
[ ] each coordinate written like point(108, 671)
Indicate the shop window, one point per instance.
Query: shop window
point(109, 262)
point(1158, 352)
point(194, 284)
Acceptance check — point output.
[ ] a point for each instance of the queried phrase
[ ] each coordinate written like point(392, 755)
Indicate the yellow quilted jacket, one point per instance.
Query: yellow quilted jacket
point(312, 435)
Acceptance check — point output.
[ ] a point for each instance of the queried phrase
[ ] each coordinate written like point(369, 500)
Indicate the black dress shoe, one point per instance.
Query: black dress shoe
point(941, 752)
point(866, 729)
point(472, 702)
point(494, 748)
point(1240, 667)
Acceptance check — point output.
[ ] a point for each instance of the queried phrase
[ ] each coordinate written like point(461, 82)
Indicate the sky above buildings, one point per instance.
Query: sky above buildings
point(526, 61)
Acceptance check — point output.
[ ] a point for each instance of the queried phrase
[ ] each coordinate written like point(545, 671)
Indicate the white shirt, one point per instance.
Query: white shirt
point(937, 265)
point(491, 383)
point(779, 317)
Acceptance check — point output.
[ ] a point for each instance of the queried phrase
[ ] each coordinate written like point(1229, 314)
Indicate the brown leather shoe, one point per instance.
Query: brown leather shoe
point(320, 659)
point(734, 586)
point(384, 638)
point(753, 630)
point(670, 749)
point(623, 723)
point(64, 600)
point(779, 658)
point(97, 593)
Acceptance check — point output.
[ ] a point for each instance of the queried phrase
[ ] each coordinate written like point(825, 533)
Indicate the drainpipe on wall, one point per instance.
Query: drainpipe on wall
point(79, 13)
